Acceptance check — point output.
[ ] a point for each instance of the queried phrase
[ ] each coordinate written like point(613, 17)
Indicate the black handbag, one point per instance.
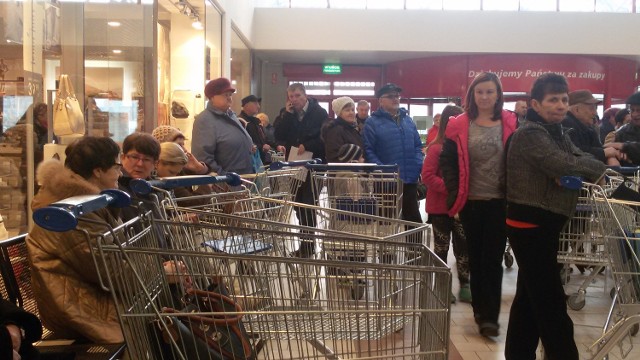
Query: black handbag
point(217, 336)
point(625, 193)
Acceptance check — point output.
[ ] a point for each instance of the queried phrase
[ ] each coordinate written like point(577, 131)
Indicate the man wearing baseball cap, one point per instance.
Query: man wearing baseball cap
point(218, 137)
point(250, 108)
point(391, 137)
point(583, 134)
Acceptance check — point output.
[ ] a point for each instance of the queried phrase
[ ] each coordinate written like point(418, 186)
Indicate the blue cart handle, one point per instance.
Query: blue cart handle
point(63, 215)
point(144, 187)
point(355, 167)
point(625, 170)
point(571, 182)
point(281, 164)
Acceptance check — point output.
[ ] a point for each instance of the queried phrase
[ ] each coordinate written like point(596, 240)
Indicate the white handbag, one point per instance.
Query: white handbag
point(67, 114)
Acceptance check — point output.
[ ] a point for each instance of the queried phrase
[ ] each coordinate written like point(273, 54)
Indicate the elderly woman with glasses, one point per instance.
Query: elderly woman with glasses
point(65, 280)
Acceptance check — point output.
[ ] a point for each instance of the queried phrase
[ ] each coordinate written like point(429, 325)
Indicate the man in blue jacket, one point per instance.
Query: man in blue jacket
point(391, 137)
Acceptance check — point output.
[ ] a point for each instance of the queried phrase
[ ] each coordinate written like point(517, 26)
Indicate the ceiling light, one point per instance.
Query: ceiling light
point(117, 51)
point(114, 23)
point(197, 24)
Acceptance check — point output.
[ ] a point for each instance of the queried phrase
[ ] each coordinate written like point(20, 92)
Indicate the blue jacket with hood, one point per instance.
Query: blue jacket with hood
point(387, 142)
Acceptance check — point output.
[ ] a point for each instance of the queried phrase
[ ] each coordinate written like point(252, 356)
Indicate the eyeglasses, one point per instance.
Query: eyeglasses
point(391, 96)
point(135, 158)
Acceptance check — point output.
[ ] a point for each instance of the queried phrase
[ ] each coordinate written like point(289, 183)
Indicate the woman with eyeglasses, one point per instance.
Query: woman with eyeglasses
point(473, 169)
point(65, 281)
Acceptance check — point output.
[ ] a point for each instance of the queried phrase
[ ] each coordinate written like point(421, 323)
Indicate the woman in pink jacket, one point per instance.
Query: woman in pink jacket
point(473, 169)
point(446, 229)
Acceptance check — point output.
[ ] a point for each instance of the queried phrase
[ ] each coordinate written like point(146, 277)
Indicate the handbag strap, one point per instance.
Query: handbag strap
point(63, 92)
point(215, 319)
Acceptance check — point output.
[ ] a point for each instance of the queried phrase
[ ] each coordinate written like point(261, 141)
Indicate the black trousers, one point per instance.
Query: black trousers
point(484, 225)
point(539, 309)
point(411, 211)
point(306, 217)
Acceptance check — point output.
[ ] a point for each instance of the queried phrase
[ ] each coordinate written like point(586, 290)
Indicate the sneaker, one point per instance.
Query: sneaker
point(489, 329)
point(465, 293)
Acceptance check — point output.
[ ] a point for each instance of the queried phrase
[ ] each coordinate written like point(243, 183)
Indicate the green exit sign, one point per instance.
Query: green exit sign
point(332, 69)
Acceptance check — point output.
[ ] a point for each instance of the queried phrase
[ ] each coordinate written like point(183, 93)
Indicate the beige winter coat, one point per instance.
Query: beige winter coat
point(65, 281)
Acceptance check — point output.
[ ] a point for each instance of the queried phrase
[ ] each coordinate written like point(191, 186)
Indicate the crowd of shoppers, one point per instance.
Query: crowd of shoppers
point(486, 181)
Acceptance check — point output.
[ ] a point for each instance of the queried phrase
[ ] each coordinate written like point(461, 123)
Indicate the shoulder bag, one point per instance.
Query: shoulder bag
point(67, 114)
point(212, 330)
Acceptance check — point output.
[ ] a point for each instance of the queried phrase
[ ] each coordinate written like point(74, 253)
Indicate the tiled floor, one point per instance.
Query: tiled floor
point(588, 322)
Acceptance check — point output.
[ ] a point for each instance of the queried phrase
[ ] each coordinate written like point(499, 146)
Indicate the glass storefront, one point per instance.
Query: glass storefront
point(127, 61)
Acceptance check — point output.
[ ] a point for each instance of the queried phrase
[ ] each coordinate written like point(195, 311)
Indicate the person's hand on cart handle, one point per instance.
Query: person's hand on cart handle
point(301, 149)
point(280, 148)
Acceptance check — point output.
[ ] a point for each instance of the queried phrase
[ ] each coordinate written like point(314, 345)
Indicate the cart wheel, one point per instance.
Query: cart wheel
point(634, 330)
point(574, 303)
point(508, 260)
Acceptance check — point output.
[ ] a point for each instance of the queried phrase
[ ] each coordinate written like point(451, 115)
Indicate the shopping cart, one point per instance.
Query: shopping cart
point(358, 188)
point(582, 244)
point(280, 180)
point(274, 213)
point(403, 313)
point(277, 156)
point(618, 228)
point(582, 241)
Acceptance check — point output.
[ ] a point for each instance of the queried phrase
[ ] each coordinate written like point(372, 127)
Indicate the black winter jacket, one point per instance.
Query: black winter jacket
point(584, 137)
point(337, 133)
point(292, 132)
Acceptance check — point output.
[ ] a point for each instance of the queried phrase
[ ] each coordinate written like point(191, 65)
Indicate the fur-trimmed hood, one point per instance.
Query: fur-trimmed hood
point(58, 182)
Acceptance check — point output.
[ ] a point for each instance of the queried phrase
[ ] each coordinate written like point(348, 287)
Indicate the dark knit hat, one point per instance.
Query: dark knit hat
point(251, 98)
point(634, 99)
point(217, 87)
point(349, 152)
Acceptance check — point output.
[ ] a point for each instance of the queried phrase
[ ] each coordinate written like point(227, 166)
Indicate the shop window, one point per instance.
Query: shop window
point(538, 5)
point(354, 88)
point(385, 4)
point(501, 5)
point(315, 88)
point(462, 5)
point(420, 115)
point(308, 3)
point(577, 5)
point(348, 4)
point(424, 4)
point(620, 6)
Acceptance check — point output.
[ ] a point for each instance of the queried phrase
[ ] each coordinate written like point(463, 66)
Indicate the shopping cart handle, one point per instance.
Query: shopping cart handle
point(625, 170)
point(144, 187)
point(356, 167)
point(571, 182)
point(63, 215)
point(281, 164)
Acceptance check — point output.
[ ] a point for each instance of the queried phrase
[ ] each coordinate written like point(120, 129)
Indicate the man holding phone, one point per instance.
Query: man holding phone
point(300, 128)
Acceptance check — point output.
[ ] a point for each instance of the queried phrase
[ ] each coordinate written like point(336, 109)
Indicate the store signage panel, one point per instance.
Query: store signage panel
point(517, 72)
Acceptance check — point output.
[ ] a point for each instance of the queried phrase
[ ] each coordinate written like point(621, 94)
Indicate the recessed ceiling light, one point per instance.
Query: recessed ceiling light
point(114, 23)
point(117, 51)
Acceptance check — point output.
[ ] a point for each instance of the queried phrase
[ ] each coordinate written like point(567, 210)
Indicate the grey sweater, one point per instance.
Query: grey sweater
point(538, 154)
point(221, 142)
